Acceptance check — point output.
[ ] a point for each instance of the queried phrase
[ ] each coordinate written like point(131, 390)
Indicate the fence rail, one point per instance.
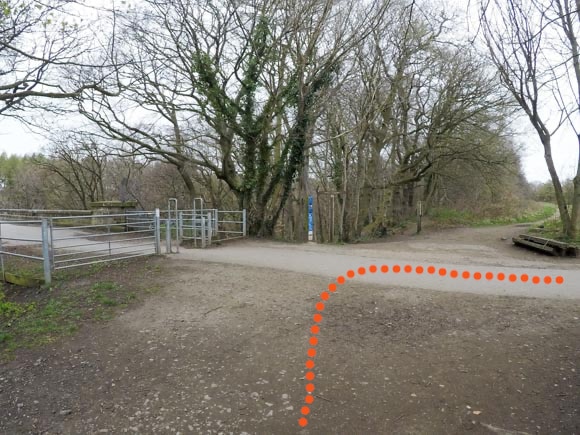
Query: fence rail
point(30, 242)
point(231, 224)
point(65, 241)
point(203, 226)
point(198, 226)
point(11, 214)
point(100, 238)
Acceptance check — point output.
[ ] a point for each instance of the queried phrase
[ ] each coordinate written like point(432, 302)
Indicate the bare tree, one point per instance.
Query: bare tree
point(80, 165)
point(48, 52)
point(534, 46)
point(232, 87)
point(413, 108)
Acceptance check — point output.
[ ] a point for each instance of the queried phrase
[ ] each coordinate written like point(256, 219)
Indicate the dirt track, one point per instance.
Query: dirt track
point(222, 350)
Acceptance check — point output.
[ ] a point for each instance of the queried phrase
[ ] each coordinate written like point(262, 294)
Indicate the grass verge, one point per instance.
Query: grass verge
point(534, 212)
point(34, 316)
point(552, 229)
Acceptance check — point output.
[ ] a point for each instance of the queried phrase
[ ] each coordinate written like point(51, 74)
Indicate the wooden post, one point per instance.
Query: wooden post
point(332, 218)
point(419, 215)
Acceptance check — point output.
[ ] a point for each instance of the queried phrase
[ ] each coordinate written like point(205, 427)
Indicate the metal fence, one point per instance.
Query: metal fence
point(76, 241)
point(82, 241)
point(11, 214)
point(23, 239)
point(231, 224)
point(138, 220)
point(197, 226)
point(202, 227)
point(63, 242)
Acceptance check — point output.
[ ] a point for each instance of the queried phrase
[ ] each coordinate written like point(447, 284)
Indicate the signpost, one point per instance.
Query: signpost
point(310, 219)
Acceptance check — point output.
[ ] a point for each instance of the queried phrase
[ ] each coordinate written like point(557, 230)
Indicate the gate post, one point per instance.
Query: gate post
point(168, 235)
point(209, 228)
point(157, 230)
point(180, 226)
point(202, 231)
point(46, 252)
point(244, 223)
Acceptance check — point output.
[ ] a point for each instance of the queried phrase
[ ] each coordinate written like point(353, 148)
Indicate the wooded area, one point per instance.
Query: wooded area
point(370, 107)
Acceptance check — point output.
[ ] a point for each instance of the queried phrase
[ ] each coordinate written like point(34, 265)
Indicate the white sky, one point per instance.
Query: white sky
point(15, 138)
point(565, 153)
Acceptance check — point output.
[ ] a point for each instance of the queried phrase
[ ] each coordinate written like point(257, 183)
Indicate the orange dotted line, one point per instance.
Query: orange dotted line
point(431, 270)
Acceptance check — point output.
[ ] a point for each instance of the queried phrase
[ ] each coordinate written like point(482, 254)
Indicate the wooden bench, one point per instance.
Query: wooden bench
point(548, 246)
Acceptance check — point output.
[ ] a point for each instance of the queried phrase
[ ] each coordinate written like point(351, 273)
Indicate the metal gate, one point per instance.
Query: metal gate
point(63, 242)
point(83, 241)
point(205, 226)
point(23, 239)
point(76, 241)
point(201, 226)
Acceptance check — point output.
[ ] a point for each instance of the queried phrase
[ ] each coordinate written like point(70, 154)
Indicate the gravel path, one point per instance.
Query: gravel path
point(221, 348)
point(480, 250)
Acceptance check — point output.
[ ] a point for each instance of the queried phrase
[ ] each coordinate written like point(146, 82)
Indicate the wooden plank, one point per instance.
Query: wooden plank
point(544, 241)
point(539, 247)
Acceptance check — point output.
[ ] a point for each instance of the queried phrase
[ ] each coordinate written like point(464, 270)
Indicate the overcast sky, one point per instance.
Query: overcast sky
point(16, 138)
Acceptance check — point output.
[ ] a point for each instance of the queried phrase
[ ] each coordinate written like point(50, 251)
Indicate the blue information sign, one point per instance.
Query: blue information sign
point(310, 218)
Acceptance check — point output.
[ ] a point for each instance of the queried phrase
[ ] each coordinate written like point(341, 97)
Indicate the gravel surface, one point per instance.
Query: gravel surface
point(221, 350)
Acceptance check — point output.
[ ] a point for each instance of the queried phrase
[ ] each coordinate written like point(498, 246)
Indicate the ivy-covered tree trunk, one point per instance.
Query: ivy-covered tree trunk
point(244, 84)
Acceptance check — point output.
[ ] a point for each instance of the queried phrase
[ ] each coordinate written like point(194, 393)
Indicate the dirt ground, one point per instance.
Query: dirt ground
point(222, 347)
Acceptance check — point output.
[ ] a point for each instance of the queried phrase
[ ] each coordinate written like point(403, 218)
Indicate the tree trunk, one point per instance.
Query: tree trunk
point(567, 228)
point(343, 229)
point(320, 236)
point(187, 181)
point(576, 197)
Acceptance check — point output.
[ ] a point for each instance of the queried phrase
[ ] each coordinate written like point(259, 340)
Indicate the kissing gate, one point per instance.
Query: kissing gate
point(200, 226)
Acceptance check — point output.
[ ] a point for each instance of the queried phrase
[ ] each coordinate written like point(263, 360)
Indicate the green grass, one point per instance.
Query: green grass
point(23, 267)
point(34, 269)
point(110, 294)
point(41, 325)
point(12, 310)
point(32, 317)
point(449, 217)
point(5, 337)
point(11, 313)
point(552, 229)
